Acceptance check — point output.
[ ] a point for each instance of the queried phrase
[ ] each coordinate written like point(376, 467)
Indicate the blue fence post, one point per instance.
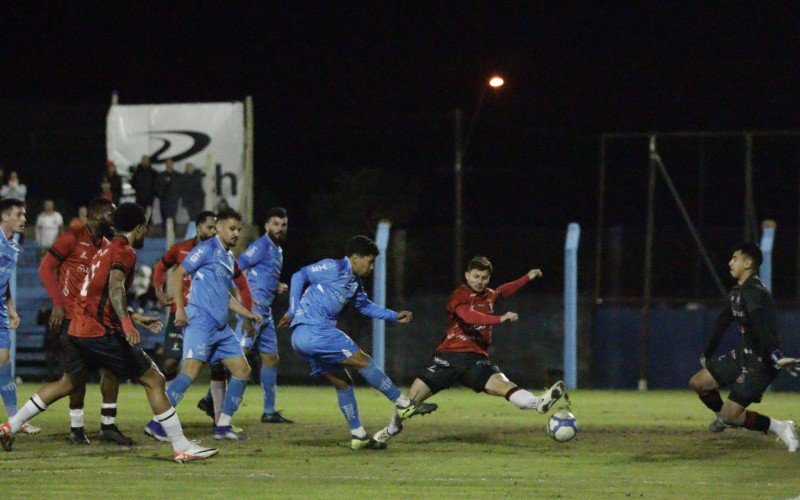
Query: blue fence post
point(767, 242)
point(571, 305)
point(379, 294)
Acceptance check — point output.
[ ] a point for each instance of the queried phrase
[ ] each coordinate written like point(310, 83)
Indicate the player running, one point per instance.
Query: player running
point(63, 270)
point(751, 368)
point(102, 335)
point(262, 262)
point(462, 356)
point(207, 338)
point(318, 293)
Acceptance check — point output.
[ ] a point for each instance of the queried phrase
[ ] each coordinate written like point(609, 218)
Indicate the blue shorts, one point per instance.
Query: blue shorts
point(267, 338)
point(323, 347)
point(204, 341)
point(5, 335)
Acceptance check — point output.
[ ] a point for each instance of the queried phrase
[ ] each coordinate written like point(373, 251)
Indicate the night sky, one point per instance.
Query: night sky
point(340, 86)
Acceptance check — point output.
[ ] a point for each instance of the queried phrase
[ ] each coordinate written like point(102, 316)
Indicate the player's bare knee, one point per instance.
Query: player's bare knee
point(731, 413)
point(270, 360)
point(192, 367)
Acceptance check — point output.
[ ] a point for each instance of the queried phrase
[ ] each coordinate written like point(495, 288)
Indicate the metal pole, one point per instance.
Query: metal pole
point(750, 231)
point(571, 305)
point(458, 226)
point(601, 204)
point(379, 294)
point(648, 266)
point(247, 196)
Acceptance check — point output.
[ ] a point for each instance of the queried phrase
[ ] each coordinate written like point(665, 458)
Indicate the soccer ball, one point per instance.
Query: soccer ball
point(562, 426)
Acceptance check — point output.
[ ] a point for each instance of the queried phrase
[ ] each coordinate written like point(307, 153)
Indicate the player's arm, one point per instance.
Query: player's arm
point(176, 283)
point(13, 317)
point(116, 294)
point(721, 324)
point(508, 289)
point(240, 280)
point(472, 317)
point(249, 257)
point(238, 308)
point(373, 310)
point(160, 277)
point(48, 272)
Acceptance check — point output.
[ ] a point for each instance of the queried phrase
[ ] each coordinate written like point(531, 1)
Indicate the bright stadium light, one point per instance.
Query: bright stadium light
point(496, 81)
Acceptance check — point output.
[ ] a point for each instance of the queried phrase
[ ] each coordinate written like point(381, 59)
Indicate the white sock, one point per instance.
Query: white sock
point(218, 397)
point(33, 407)
point(76, 418)
point(360, 433)
point(172, 427)
point(394, 425)
point(776, 426)
point(224, 420)
point(108, 419)
point(523, 400)
point(402, 401)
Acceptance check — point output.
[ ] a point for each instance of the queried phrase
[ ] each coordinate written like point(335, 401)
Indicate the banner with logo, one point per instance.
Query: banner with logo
point(209, 135)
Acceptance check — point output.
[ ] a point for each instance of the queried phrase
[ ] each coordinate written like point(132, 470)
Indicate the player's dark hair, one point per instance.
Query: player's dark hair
point(278, 212)
point(128, 216)
point(228, 213)
point(202, 216)
point(480, 263)
point(96, 205)
point(751, 250)
point(361, 245)
point(9, 203)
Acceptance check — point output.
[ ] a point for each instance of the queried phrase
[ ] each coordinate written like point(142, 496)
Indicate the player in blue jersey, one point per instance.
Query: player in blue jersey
point(317, 294)
point(207, 338)
point(262, 262)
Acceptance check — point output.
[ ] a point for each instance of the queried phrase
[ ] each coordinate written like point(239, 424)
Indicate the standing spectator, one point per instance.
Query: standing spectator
point(105, 190)
point(13, 189)
point(144, 182)
point(167, 184)
point(79, 221)
point(190, 190)
point(49, 224)
point(2, 173)
point(115, 180)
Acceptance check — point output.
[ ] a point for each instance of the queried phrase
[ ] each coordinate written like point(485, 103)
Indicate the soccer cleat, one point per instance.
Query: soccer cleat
point(415, 408)
point(550, 397)
point(207, 407)
point(30, 429)
point(718, 425)
point(223, 432)
point(155, 431)
point(366, 443)
point(384, 435)
point(194, 453)
point(237, 430)
point(77, 436)
point(275, 418)
point(789, 436)
point(111, 434)
point(6, 437)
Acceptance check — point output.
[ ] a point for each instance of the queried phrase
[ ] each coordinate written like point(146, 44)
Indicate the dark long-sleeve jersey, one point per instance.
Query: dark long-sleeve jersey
point(751, 306)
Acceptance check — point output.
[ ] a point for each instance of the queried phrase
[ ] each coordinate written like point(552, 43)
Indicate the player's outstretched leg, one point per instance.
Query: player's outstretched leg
point(706, 387)
point(735, 414)
point(234, 393)
point(177, 388)
point(109, 432)
point(499, 385)
point(419, 392)
point(345, 394)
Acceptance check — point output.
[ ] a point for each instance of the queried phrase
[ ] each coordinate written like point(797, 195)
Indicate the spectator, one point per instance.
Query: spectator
point(79, 221)
point(2, 173)
point(167, 184)
point(115, 180)
point(144, 182)
point(190, 190)
point(105, 190)
point(49, 224)
point(223, 205)
point(13, 189)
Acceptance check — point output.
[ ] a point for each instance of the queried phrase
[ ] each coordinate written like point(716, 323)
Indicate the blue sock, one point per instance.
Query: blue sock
point(380, 381)
point(178, 387)
point(8, 390)
point(233, 395)
point(269, 377)
point(349, 406)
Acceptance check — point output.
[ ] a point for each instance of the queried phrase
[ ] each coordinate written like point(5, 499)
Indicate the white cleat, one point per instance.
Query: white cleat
point(789, 436)
point(551, 396)
point(195, 452)
point(30, 429)
point(383, 435)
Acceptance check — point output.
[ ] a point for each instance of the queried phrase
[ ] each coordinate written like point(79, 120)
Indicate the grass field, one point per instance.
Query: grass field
point(630, 444)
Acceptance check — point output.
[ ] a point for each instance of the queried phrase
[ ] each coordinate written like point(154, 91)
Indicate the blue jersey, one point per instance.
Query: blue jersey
point(212, 268)
point(263, 261)
point(9, 250)
point(331, 284)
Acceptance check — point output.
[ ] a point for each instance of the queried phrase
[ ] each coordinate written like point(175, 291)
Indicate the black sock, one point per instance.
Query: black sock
point(712, 400)
point(756, 421)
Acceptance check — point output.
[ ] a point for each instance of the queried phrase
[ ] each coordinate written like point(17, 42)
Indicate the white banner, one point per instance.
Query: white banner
point(209, 135)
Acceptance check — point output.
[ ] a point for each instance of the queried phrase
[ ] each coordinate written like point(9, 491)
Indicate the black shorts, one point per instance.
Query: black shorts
point(173, 340)
point(466, 368)
point(112, 352)
point(746, 373)
point(63, 337)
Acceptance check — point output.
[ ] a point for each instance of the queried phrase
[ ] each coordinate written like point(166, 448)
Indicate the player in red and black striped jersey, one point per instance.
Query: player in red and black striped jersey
point(462, 356)
point(102, 335)
point(63, 270)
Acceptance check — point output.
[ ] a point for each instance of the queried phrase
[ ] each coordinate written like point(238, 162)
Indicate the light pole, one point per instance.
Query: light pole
point(461, 144)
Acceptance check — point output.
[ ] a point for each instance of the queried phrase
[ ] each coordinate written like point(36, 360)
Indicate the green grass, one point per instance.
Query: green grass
point(651, 444)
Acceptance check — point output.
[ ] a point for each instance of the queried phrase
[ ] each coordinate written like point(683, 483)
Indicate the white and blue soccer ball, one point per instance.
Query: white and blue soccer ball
point(562, 426)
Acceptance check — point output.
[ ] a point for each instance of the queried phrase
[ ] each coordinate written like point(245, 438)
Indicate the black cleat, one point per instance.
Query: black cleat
point(205, 406)
point(275, 418)
point(366, 443)
point(415, 408)
point(111, 434)
point(77, 436)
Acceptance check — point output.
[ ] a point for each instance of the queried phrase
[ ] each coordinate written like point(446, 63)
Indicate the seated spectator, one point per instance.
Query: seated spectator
point(49, 224)
point(115, 180)
point(13, 189)
point(79, 221)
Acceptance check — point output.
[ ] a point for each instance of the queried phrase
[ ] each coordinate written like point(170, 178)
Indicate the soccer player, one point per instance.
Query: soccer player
point(12, 221)
point(317, 294)
point(262, 263)
point(751, 368)
point(462, 356)
point(207, 338)
point(63, 270)
point(102, 335)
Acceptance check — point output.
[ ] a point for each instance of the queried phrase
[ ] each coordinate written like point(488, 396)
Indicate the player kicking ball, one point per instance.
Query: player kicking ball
point(751, 368)
point(317, 295)
point(462, 355)
point(102, 335)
